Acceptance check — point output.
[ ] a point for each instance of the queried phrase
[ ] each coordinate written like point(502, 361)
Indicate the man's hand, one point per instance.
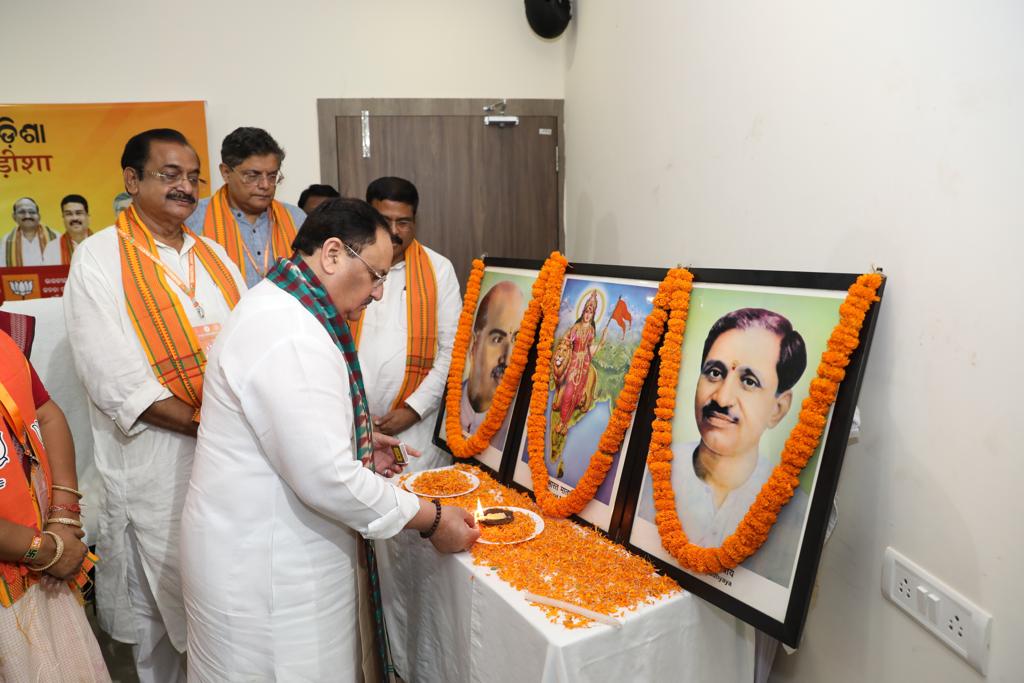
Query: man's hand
point(383, 458)
point(456, 532)
point(397, 421)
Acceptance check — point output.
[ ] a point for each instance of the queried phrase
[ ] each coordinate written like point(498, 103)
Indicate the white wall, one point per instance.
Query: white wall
point(833, 136)
point(265, 62)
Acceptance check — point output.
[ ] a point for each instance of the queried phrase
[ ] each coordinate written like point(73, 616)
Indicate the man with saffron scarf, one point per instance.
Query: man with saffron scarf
point(279, 494)
point(405, 340)
point(242, 216)
point(74, 210)
point(143, 302)
point(26, 244)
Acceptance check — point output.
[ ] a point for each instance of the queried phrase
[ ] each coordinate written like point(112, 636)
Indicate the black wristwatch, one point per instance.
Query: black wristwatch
point(437, 520)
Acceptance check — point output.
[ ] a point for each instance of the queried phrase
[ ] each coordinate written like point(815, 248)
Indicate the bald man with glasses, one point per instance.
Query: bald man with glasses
point(243, 216)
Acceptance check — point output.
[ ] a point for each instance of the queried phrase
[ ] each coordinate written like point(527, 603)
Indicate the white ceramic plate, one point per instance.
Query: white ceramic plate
point(538, 525)
point(410, 483)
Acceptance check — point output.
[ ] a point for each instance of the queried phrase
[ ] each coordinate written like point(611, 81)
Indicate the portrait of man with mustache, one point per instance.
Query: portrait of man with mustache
point(751, 360)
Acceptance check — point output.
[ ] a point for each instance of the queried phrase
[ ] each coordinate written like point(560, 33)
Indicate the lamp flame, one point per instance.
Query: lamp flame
point(479, 514)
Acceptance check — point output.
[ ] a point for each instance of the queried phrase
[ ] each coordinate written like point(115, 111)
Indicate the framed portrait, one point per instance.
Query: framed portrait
point(752, 344)
point(601, 318)
point(505, 292)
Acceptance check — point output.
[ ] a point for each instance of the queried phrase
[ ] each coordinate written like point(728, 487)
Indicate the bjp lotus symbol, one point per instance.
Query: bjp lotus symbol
point(22, 287)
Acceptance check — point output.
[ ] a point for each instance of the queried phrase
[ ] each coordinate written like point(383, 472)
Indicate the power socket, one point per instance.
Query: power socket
point(963, 626)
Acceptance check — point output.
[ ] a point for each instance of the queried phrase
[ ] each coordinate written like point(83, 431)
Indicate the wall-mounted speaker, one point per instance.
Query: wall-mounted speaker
point(548, 18)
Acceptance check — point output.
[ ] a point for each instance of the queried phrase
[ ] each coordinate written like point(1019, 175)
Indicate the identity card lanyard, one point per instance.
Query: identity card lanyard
point(266, 256)
point(190, 288)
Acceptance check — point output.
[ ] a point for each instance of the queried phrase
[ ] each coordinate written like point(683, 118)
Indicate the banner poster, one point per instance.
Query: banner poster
point(50, 151)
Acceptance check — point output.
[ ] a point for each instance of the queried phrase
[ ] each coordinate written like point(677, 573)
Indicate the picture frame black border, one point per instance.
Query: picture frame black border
point(789, 631)
point(626, 484)
point(519, 406)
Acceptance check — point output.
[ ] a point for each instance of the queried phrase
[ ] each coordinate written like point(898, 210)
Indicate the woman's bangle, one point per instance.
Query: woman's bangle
point(437, 520)
point(66, 489)
point(66, 521)
point(74, 508)
point(56, 555)
point(33, 550)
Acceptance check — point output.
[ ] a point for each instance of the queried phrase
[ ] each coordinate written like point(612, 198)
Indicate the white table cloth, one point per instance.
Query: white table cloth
point(449, 620)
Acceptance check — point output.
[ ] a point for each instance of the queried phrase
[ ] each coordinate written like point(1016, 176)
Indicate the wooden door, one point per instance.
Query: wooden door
point(483, 189)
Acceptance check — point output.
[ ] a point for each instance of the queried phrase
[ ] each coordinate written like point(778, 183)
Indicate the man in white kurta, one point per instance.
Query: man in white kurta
point(144, 467)
point(277, 499)
point(383, 344)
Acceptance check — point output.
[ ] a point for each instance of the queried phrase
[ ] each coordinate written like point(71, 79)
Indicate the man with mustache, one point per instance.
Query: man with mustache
point(143, 303)
point(26, 244)
point(495, 328)
point(405, 339)
point(74, 210)
point(242, 216)
point(752, 359)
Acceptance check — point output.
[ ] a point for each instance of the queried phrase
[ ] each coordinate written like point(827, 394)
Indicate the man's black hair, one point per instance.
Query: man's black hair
point(792, 350)
point(353, 221)
point(393, 189)
point(316, 191)
point(136, 150)
point(244, 142)
point(74, 199)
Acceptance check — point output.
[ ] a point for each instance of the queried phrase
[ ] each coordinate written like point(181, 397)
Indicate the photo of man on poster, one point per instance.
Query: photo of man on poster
point(751, 360)
point(494, 334)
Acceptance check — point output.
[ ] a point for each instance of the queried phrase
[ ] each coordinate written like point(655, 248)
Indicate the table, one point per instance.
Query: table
point(449, 620)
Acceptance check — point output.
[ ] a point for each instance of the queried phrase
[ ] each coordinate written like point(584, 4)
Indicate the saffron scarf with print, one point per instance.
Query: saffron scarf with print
point(220, 225)
point(421, 315)
point(156, 313)
point(12, 245)
point(296, 278)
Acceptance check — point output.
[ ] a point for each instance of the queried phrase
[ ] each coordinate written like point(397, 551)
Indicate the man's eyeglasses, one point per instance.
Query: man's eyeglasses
point(378, 277)
point(253, 177)
point(175, 177)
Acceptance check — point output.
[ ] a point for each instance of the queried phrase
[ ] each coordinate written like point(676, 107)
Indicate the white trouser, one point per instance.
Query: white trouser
point(156, 659)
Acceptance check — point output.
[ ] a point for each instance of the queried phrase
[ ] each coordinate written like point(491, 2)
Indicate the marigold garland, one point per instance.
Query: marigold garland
point(753, 530)
point(460, 446)
point(676, 282)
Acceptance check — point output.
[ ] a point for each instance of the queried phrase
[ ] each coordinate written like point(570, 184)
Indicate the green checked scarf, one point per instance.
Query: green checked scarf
point(295, 277)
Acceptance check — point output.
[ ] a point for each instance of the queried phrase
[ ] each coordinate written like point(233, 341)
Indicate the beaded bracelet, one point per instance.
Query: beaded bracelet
point(56, 555)
point(33, 550)
point(66, 521)
point(437, 520)
point(67, 489)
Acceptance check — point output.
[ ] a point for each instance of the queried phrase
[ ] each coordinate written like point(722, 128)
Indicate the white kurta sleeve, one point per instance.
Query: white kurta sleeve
point(296, 399)
point(427, 396)
point(112, 367)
